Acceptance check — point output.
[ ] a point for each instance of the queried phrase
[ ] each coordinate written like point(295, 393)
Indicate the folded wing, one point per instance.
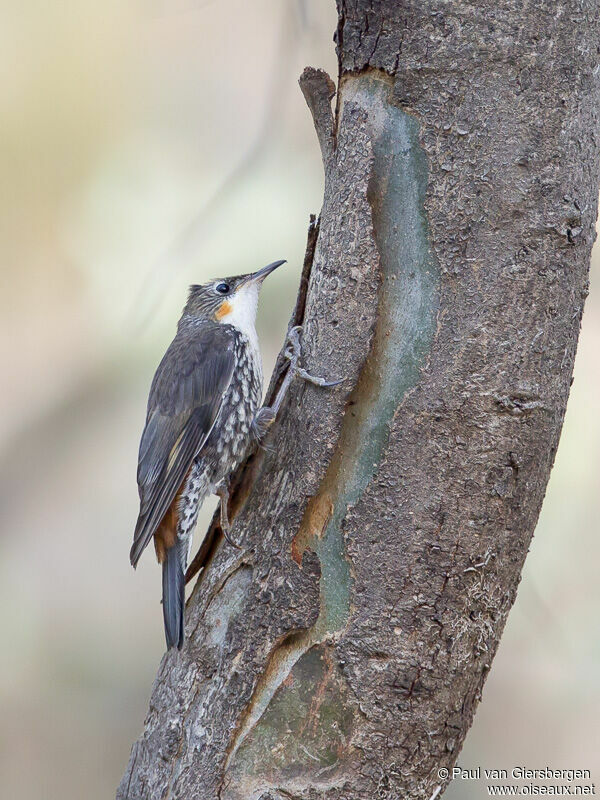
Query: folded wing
point(185, 398)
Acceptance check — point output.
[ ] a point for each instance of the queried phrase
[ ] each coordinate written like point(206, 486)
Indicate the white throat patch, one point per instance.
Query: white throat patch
point(243, 312)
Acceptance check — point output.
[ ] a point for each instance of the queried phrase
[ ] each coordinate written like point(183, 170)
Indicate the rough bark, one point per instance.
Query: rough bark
point(343, 655)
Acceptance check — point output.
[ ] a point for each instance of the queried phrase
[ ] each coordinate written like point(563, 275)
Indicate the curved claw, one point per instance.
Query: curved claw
point(325, 384)
point(229, 540)
point(223, 493)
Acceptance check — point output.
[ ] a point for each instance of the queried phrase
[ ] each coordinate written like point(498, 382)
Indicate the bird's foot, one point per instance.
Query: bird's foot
point(262, 422)
point(223, 494)
point(293, 351)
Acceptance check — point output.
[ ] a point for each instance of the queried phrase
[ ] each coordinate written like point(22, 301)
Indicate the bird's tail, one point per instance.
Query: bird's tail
point(173, 582)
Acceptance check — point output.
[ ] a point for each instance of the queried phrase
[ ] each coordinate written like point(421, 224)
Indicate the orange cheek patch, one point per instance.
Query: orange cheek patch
point(224, 309)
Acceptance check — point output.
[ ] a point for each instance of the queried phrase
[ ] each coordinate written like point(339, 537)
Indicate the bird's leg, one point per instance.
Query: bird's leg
point(222, 492)
point(293, 350)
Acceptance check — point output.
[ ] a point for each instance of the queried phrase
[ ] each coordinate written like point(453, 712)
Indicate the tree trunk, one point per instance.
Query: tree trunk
point(344, 654)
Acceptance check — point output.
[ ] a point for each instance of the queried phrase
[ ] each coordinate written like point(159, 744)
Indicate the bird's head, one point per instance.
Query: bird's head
point(231, 301)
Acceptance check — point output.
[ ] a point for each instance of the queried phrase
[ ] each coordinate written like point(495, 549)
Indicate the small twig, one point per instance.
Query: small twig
point(319, 90)
point(191, 237)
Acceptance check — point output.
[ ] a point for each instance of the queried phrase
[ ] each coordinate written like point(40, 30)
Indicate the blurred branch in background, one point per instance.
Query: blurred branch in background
point(188, 243)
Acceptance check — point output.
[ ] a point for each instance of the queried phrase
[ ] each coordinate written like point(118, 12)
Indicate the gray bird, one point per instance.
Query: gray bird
point(203, 411)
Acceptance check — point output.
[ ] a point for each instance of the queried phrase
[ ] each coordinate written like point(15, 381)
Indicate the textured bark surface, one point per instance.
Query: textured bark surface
point(343, 655)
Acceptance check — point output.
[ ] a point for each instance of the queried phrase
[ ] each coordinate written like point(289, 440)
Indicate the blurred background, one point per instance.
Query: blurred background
point(145, 146)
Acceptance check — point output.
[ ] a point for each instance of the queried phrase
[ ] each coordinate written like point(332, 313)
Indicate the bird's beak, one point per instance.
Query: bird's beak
point(261, 274)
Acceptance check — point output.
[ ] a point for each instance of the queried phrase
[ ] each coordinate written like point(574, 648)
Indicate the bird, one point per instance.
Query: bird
point(204, 410)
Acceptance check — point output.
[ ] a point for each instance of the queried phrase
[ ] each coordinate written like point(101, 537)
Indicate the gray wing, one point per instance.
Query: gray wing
point(185, 398)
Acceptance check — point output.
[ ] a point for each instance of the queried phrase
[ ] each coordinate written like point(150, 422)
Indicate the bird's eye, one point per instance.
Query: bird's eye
point(222, 288)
